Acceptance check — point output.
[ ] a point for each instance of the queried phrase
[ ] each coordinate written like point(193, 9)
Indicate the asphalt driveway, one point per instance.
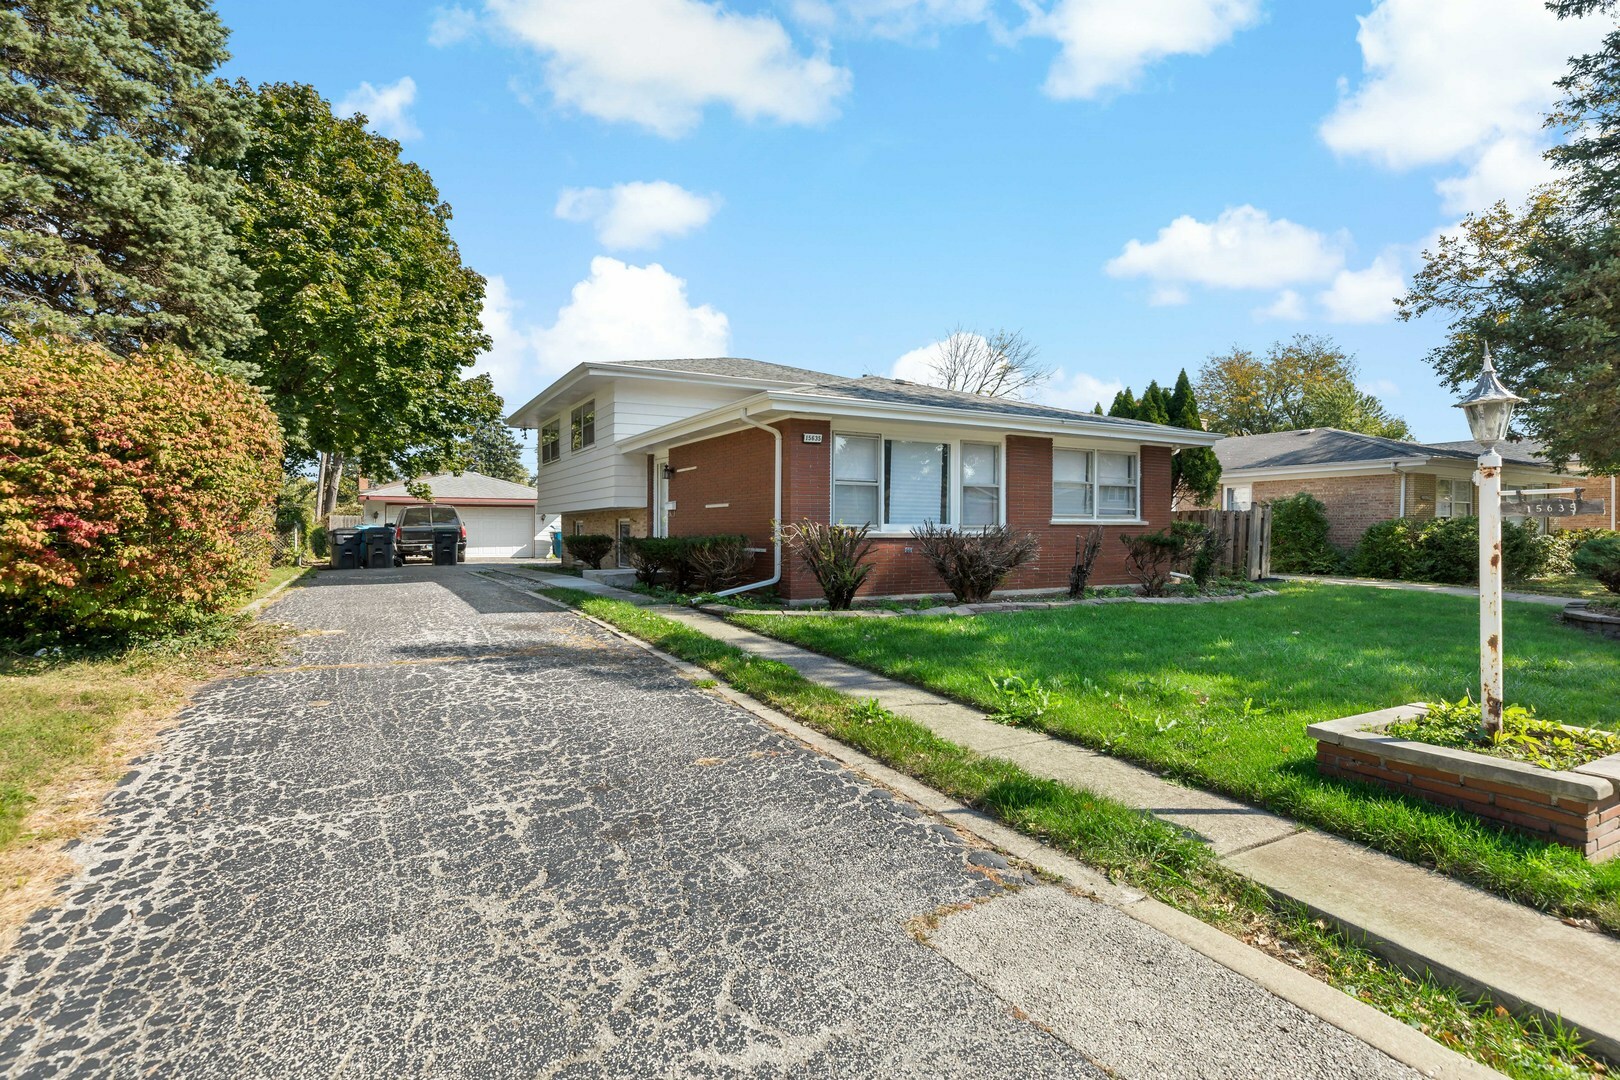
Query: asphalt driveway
point(461, 834)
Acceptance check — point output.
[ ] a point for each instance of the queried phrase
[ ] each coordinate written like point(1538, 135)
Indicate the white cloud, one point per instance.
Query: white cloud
point(510, 362)
point(638, 214)
point(1507, 169)
point(897, 19)
point(659, 63)
point(1289, 306)
point(624, 312)
point(918, 365)
point(1107, 44)
point(1168, 296)
point(1364, 296)
point(1243, 248)
point(1079, 390)
point(1379, 387)
point(386, 108)
point(451, 26)
point(1465, 81)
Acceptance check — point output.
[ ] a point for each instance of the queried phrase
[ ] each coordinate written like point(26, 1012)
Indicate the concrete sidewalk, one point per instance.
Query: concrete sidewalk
point(1420, 586)
point(1523, 958)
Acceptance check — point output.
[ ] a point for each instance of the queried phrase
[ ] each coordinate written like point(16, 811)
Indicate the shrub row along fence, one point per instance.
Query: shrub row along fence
point(1247, 535)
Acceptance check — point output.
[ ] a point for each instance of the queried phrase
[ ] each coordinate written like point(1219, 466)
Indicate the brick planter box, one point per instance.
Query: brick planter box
point(1579, 808)
point(1576, 613)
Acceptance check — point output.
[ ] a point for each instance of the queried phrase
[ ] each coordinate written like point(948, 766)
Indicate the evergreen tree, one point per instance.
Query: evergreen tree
point(1097, 409)
point(1152, 406)
point(1195, 472)
point(493, 450)
point(116, 150)
point(1124, 405)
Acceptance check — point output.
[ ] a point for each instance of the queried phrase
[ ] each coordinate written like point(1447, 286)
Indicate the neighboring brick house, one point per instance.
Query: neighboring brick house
point(1363, 479)
point(743, 444)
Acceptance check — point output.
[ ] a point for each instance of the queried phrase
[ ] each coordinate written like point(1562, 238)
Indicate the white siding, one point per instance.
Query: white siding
point(602, 479)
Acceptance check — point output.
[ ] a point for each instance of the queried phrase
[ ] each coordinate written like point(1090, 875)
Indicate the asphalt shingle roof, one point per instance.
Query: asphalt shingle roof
point(448, 487)
point(735, 367)
point(876, 388)
point(1330, 446)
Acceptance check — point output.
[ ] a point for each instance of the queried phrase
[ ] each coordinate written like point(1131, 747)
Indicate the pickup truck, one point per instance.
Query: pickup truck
point(413, 532)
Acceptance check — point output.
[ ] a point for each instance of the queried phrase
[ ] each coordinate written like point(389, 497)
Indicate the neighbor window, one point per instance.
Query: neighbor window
point(855, 479)
point(582, 426)
point(1093, 484)
point(916, 482)
point(1239, 498)
point(1454, 498)
point(981, 485)
point(551, 440)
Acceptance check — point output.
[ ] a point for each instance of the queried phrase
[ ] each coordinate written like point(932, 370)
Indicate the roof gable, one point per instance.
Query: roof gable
point(448, 487)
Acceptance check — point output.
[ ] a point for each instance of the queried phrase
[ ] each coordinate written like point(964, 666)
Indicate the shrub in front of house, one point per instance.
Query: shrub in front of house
point(137, 492)
point(1201, 549)
point(588, 548)
point(1151, 556)
point(1299, 537)
point(1444, 550)
point(652, 556)
point(973, 563)
point(835, 555)
point(1599, 558)
point(718, 562)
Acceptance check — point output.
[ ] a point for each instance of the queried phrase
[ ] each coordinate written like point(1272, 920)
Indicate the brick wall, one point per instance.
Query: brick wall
point(1592, 827)
point(724, 485)
point(1353, 502)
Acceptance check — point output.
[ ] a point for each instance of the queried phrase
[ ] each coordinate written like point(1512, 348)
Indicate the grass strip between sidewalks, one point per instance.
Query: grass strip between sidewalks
point(1129, 845)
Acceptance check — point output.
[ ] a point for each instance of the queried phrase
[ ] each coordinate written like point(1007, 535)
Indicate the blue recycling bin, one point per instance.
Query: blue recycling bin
point(556, 545)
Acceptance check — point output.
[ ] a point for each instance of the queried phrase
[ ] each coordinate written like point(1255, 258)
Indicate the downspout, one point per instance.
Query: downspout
point(776, 515)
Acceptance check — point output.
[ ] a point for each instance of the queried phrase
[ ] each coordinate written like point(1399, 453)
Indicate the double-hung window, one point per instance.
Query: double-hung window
point(551, 440)
point(916, 482)
point(981, 485)
point(582, 426)
point(1454, 498)
point(855, 479)
point(1094, 484)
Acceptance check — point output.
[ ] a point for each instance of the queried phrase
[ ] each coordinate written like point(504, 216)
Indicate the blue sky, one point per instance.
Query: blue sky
point(837, 184)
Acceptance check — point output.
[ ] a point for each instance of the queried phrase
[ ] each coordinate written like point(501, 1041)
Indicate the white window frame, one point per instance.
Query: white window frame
point(954, 443)
point(588, 406)
point(1238, 497)
point(1445, 494)
point(1096, 517)
point(557, 444)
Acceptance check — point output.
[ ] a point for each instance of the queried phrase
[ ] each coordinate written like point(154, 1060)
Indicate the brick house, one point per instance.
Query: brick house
point(721, 445)
point(1364, 479)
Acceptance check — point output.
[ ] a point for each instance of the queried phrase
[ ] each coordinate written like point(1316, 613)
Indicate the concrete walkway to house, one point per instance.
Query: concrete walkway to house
point(1422, 586)
point(1521, 957)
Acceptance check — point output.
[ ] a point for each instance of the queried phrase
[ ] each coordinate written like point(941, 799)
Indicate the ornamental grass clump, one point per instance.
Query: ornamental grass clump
point(136, 492)
point(1524, 736)
point(973, 563)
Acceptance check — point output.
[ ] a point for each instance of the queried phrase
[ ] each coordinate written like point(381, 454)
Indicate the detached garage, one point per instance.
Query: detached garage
point(499, 516)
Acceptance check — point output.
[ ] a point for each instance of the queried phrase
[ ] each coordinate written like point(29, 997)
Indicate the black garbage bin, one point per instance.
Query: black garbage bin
point(343, 548)
point(445, 542)
point(379, 547)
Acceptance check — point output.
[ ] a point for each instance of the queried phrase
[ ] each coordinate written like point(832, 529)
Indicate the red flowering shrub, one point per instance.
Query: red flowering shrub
point(136, 493)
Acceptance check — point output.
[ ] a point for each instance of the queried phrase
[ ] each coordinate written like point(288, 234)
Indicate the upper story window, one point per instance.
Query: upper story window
point(897, 484)
point(1095, 484)
point(1454, 498)
point(551, 440)
point(582, 426)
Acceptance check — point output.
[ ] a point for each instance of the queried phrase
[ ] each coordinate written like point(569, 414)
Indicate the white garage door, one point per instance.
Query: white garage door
point(498, 531)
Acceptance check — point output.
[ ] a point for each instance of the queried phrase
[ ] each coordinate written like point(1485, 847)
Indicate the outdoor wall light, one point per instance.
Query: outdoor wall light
point(669, 470)
point(1489, 407)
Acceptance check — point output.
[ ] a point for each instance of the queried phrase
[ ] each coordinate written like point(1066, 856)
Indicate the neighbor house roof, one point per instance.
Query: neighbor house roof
point(1332, 447)
point(468, 487)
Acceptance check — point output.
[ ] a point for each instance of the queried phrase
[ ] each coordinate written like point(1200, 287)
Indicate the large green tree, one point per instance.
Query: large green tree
point(116, 149)
point(1540, 284)
point(1305, 382)
point(370, 317)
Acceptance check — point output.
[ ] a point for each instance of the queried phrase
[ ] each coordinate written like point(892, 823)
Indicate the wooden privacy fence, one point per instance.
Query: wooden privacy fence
point(1248, 538)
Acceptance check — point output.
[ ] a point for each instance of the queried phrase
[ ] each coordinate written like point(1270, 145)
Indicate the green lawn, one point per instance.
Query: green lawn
point(1574, 586)
point(1219, 695)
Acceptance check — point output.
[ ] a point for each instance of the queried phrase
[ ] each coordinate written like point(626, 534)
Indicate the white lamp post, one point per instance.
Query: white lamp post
point(1489, 408)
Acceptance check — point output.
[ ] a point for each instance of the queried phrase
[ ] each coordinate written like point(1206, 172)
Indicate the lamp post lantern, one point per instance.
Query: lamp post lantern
point(1489, 408)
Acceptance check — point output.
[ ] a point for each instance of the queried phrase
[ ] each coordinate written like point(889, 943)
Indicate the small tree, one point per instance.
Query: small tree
point(973, 564)
point(1086, 549)
point(1150, 556)
point(589, 548)
point(835, 555)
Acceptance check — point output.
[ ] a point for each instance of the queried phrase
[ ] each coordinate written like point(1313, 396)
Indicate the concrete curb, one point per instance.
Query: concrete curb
point(253, 607)
point(1406, 1045)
